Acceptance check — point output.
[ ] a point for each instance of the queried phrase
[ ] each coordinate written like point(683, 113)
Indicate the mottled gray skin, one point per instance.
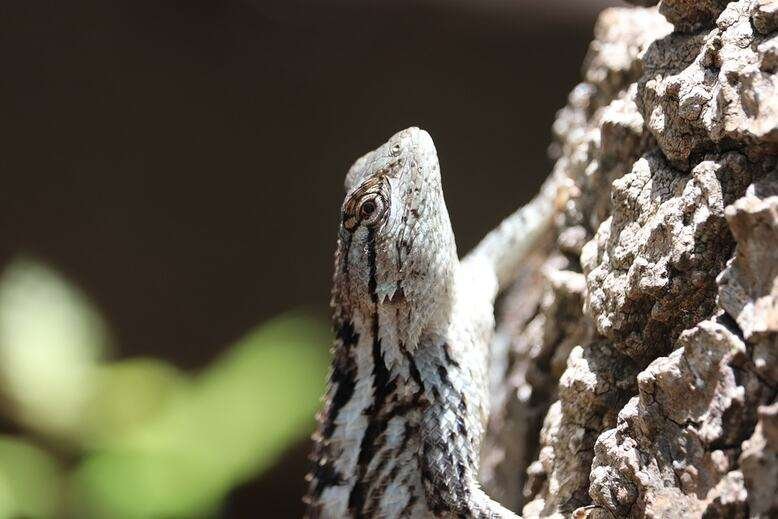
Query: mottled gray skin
point(406, 405)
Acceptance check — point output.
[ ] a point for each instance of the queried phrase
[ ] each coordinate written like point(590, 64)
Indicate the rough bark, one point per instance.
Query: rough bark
point(636, 359)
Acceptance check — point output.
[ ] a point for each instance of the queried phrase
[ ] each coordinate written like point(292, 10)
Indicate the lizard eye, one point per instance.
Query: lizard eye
point(367, 208)
point(371, 209)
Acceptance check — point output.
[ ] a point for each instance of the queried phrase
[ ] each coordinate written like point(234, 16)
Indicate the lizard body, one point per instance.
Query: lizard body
point(407, 403)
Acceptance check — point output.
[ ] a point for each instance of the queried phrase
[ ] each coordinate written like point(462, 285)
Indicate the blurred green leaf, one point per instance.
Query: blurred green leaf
point(30, 484)
point(50, 339)
point(232, 422)
point(157, 443)
point(127, 394)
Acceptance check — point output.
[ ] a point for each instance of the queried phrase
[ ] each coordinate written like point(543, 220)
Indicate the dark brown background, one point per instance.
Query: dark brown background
point(182, 161)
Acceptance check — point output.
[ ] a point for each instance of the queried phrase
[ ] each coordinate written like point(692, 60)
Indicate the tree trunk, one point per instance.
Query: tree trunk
point(636, 359)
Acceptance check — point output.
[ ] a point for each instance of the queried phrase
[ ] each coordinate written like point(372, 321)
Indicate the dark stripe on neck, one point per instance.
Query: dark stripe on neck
point(383, 387)
point(444, 379)
point(447, 353)
point(379, 481)
point(346, 334)
point(343, 381)
point(372, 283)
point(326, 475)
point(344, 373)
point(414, 371)
point(345, 248)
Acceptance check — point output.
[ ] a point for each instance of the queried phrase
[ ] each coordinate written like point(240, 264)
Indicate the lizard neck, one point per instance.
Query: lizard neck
point(403, 288)
point(371, 423)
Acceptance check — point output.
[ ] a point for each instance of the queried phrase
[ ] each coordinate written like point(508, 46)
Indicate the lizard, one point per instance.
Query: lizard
point(406, 407)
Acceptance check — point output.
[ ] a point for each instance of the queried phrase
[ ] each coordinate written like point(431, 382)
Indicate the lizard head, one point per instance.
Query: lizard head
point(396, 251)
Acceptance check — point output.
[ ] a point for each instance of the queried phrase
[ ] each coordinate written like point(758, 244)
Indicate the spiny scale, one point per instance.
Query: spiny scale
point(405, 409)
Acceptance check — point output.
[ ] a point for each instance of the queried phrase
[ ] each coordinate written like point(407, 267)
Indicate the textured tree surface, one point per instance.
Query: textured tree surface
point(636, 360)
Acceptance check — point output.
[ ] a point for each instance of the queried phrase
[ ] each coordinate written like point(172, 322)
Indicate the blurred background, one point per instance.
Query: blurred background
point(171, 175)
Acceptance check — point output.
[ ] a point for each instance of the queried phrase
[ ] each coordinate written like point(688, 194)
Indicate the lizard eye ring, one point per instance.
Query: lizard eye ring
point(367, 209)
point(371, 208)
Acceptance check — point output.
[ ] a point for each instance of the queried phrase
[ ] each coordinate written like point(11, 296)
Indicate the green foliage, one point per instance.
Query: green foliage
point(127, 394)
point(232, 421)
point(30, 480)
point(50, 340)
point(153, 441)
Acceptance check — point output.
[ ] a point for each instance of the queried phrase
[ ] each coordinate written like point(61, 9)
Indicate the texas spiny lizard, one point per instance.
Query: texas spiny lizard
point(407, 403)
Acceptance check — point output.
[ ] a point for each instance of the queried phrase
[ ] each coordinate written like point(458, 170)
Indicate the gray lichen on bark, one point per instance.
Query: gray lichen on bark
point(636, 358)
